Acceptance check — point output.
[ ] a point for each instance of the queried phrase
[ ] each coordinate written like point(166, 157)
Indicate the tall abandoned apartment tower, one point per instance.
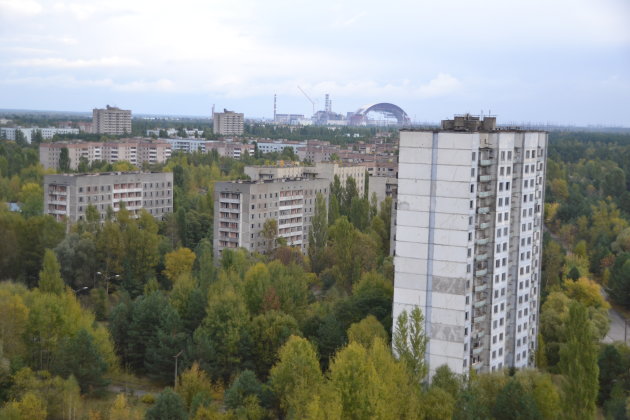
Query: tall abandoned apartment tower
point(111, 120)
point(468, 241)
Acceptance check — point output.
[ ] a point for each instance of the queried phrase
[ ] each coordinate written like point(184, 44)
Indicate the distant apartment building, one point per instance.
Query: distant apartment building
point(10, 133)
point(228, 123)
point(383, 187)
point(468, 241)
point(67, 196)
point(321, 170)
point(317, 151)
point(111, 120)
point(232, 149)
point(134, 151)
point(242, 207)
point(188, 145)
point(172, 132)
point(270, 146)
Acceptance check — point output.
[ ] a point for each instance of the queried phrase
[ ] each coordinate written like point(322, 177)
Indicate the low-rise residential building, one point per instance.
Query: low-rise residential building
point(67, 196)
point(135, 151)
point(242, 208)
point(10, 133)
point(269, 146)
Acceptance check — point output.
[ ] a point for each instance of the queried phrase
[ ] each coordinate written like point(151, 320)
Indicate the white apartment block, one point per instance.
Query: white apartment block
point(468, 241)
point(111, 120)
point(242, 207)
point(270, 146)
point(228, 123)
point(67, 196)
point(10, 133)
point(188, 145)
point(134, 151)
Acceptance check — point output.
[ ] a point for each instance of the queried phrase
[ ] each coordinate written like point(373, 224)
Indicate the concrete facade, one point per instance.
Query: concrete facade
point(383, 187)
point(228, 123)
point(135, 151)
point(468, 241)
point(242, 207)
point(111, 120)
point(10, 133)
point(67, 196)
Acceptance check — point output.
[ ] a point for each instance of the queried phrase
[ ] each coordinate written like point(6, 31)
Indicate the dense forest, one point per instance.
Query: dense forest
point(132, 318)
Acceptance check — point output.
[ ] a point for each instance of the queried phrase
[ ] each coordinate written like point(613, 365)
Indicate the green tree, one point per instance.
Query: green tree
point(177, 263)
point(64, 160)
point(296, 377)
point(578, 365)
point(366, 331)
point(50, 277)
point(269, 331)
point(245, 385)
point(514, 402)
point(447, 380)
point(318, 234)
point(410, 342)
point(79, 356)
point(168, 406)
point(270, 233)
point(192, 383)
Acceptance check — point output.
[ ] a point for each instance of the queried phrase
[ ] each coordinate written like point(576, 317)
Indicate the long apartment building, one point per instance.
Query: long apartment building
point(468, 241)
point(67, 196)
point(10, 133)
point(135, 151)
point(111, 120)
point(232, 149)
point(242, 207)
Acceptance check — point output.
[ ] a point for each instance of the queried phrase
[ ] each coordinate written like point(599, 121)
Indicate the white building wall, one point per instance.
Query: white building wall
point(458, 226)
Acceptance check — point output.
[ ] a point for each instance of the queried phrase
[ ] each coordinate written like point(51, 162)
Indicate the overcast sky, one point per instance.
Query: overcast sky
point(557, 61)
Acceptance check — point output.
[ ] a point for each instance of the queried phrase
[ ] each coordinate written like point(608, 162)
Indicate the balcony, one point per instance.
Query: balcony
point(484, 225)
point(483, 210)
point(483, 241)
point(477, 350)
point(480, 318)
point(481, 288)
point(480, 303)
point(485, 178)
point(485, 194)
point(480, 273)
point(481, 257)
point(485, 162)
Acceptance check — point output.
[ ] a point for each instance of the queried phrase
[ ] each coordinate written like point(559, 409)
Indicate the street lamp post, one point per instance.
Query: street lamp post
point(176, 356)
point(107, 278)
